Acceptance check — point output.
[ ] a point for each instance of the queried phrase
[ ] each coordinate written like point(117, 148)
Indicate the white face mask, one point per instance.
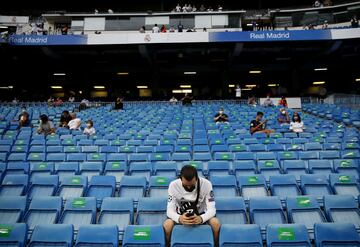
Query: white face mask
point(283, 112)
point(88, 126)
point(221, 112)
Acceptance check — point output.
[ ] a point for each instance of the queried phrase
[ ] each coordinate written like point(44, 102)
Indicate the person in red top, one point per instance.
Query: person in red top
point(163, 29)
point(283, 102)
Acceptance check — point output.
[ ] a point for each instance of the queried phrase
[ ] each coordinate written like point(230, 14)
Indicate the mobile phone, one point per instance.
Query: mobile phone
point(189, 214)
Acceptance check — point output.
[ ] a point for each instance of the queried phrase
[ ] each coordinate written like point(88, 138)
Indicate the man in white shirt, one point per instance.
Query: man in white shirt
point(75, 122)
point(191, 202)
point(156, 29)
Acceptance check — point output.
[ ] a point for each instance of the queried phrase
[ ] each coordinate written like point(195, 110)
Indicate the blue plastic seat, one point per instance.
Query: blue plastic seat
point(43, 186)
point(269, 168)
point(336, 234)
point(295, 167)
point(283, 186)
point(165, 168)
point(245, 156)
point(127, 149)
point(201, 149)
point(287, 155)
point(329, 154)
point(151, 211)
point(41, 169)
point(158, 186)
point(97, 235)
point(144, 236)
point(17, 168)
point(117, 157)
point(192, 236)
point(265, 156)
point(76, 157)
point(14, 185)
point(240, 236)
point(313, 146)
point(344, 184)
point(56, 157)
point(181, 156)
point(206, 156)
point(266, 210)
point(224, 185)
point(13, 235)
point(235, 148)
point(43, 211)
point(141, 169)
point(32, 157)
point(159, 157)
point(66, 169)
point(231, 210)
point(72, 186)
point(17, 157)
point(116, 169)
point(294, 147)
point(72, 149)
point(12, 209)
point(218, 168)
point(348, 167)
point(96, 157)
point(52, 235)
point(91, 168)
point(223, 156)
point(287, 235)
point(350, 154)
point(79, 211)
point(101, 187)
point(342, 208)
point(252, 186)
point(304, 210)
point(328, 146)
point(132, 187)
point(199, 165)
point(320, 167)
point(275, 147)
point(109, 149)
point(308, 155)
point(257, 148)
point(244, 168)
point(316, 185)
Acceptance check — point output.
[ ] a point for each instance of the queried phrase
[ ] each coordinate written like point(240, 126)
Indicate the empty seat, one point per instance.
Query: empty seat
point(252, 186)
point(295, 167)
point(56, 157)
point(313, 146)
point(97, 235)
point(269, 168)
point(159, 156)
point(240, 235)
point(74, 186)
point(12, 209)
point(117, 211)
point(320, 167)
point(283, 186)
point(100, 187)
point(224, 186)
point(218, 167)
point(132, 187)
point(76, 157)
point(266, 210)
point(52, 235)
point(344, 184)
point(79, 211)
point(223, 156)
point(165, 168)
point(329, 154)
point(206, 156)
point(304, 210)
point(336, 234)
point(14, 185)
point(43, 186)
point(287, 235)
point(350, 154)
point(66, 169)
point(143, 236)
point(238, 148)
point(117, 157)
point(287, 155)
point(265, 156)
point(13, 235)
point(96, 157)
point(116, 169)
point(316, 185)
point(17, 168)
point(231, 210)
point(158, 186)
point(141, 169)
point(91, 168)
point(43, 210)
point(181, 156)
point(308, 155)
point(342, 208)
point(36, 157)
point(151, 211)
point(348, 167)
point(192, 236)
point(17, 157)
point(42, 168)
point(244, 168)
point(245, 156)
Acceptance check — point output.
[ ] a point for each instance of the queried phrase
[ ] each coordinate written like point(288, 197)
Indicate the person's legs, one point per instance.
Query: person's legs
point(168, 226)
point(215, 226)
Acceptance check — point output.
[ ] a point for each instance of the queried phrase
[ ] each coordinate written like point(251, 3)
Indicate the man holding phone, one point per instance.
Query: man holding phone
point(258, 125)
point(191, 202)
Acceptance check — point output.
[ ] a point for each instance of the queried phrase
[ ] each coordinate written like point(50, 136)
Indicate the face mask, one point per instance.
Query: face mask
point(296, 118)
point(88, 126)
point(221, 112)
point(283, 112)
point(189, 189)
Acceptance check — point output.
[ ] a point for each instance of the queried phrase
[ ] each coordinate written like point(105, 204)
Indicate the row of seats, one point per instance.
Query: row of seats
point(326, 234)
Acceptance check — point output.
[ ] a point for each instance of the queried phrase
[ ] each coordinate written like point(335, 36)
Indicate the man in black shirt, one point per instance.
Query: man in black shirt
point(259, 126)
point(221, 117)
point(65, 118)
point(119, 105)
point(187, 100)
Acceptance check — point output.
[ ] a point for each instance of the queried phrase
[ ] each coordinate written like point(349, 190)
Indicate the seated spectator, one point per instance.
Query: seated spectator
point(194, 9)
point(58, 102)
point(89, 130)
point(252, 101)
point(268, 102)
point(354, 22)
point(119, 105)
point(15, 101)
point(156, 29)
point(65, 118)
point(178, 8)
point(142, 29)
point(110, 11)
point(296, 124)
point(221, 117)
point(220, 8)
point(46, 127)
point(187, 100)
point(84, 104)
point(283, 117)
point(50, 101)
point(75, 123)
point(202, 8)
point(259, 126)
point(71, 99)
point(283, 102)
point(24, 120)
point(163, 29)
point(180, 28)
point(171, 30)
point(317, 4)
point(173, 100)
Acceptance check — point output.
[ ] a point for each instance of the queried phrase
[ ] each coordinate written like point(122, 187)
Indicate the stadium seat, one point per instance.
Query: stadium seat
point(308, 155)
point(43, 186)
point(43, 211)
point(76, 157)
point(350, 154)
point(41, 168)
point(72, 186)
point(283, 186)
point(144, 236)
point(348, 167)
point(14, 185)
point(15, 168)
point(132, 187)
point(32, 157)
point(244, 168)
point(287, 155)
point(165, 168)
point(116, 169)
point(329, 154)
point(218, 167)
point(316, 185)
point(313, 146)
point(240, 235)
point(245, 156)
point(344, 184)
point(117, 157)
point(192, 236)
point(224, 186)
point(266, 210)
point(159, 157)
point(79, 211)
point(231, 210)
point(304, 210)
point(151, 211)
point(117, 211)
point(181, 156)
point(269, 168)
point(91, 168)
point(336, 234)
point(100, 187)
point(13, 235)
point(295, 167)
point(97, 235)
point(252, 186)
point(287, 235)
point(52, 235)
point(203, 156)
point(56, 157)
point(223, 156)
point(66, 169)
point(320, 167)
point(141, 169)
point(12, 209)
point(342, 208)
point(265, 156)
point(158, 186)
